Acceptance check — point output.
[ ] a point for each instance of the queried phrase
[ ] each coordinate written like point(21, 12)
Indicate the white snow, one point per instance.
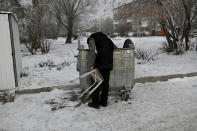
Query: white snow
point(62, 53)
point(62, 56)
point(165, 64)
point(163, 106)
point(159, 106)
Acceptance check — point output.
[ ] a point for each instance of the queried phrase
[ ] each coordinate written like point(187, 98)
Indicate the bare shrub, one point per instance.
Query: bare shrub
point(62, 65)
point(146, 55)
point(31, 48)
point(33, 26)
point(50, 64)
point(47, 63)
point(24, 74)
point(33, 40)
point(142, 54)
point(45, 46)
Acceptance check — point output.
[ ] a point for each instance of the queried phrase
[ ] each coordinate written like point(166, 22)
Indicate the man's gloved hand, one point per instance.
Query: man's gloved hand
point(91, 67)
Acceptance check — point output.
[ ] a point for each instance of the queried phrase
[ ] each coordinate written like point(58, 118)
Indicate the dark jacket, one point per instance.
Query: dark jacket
point(104, 48)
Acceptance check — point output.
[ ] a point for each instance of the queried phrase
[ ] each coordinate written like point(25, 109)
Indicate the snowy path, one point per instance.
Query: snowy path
point(162, 106)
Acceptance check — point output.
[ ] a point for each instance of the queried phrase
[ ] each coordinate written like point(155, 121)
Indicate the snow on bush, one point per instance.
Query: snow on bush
point(50, 64)
point(145, 55)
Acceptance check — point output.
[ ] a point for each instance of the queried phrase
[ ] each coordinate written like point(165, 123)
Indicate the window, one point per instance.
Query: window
point(144, 23)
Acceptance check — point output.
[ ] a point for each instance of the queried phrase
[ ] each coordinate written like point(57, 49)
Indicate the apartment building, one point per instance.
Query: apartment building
point(138, 17)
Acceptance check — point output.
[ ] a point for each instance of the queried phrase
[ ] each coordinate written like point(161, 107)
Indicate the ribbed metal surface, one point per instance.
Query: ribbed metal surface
point(122, 74)
point(83, 68)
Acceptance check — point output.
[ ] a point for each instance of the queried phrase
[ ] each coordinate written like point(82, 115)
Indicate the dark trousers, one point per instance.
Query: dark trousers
point(103, 88)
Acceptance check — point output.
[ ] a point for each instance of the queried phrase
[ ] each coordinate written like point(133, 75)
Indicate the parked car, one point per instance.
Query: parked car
point(141, 34)
point(113, 35)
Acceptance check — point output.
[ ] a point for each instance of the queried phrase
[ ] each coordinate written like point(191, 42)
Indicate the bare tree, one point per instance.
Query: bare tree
point(176, 17)
point(107, 25)
point(34, 26)
point(190, 14)
point(67, 11)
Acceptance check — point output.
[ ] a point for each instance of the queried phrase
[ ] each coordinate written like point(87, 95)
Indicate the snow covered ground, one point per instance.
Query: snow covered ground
point(161, 106)
point(164, 64)
point(61, 63)
point(60, 70)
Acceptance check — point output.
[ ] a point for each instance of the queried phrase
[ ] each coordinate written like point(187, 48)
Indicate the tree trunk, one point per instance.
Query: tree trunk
point(70, 31)
point(188, 12)
point(168, 37)
point(69, 37)
point(186, 43)
point(175, 44)
point(170, 44)
point(187, 35)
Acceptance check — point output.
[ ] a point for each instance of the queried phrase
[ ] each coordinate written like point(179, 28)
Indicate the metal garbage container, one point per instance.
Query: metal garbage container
point(122, 75)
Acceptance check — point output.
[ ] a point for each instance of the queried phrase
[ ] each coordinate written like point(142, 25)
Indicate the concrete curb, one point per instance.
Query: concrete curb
point(45, 89)
point(137, 80)
point(164, 78)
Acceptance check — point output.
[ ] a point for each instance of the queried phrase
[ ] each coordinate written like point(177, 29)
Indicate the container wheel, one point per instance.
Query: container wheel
point(125, 95)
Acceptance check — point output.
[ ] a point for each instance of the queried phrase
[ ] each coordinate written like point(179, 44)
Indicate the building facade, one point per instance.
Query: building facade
point(138, 17)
